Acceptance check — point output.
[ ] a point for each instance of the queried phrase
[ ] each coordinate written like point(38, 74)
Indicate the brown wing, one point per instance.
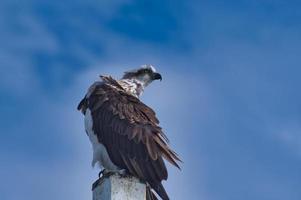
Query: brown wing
point(129, 130)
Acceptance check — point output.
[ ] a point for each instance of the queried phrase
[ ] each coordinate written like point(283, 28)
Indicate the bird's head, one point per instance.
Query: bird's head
point(144, 74)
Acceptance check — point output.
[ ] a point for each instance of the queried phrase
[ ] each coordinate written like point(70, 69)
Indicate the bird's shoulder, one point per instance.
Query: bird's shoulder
point(109, 96)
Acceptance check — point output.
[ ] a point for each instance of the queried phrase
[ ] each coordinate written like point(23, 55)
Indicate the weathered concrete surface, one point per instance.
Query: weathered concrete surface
point(115, 187)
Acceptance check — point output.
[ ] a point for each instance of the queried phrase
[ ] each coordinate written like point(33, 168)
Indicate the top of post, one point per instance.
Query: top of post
point(116, 187)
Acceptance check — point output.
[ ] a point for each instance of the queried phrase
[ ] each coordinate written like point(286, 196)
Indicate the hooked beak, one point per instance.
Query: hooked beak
point(157, 76)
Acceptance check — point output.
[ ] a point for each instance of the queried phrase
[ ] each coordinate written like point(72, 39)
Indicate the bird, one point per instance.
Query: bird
point(125, 133)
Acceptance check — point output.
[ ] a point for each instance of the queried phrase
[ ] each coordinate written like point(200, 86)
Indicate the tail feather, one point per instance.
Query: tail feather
point(160, 191)
point(149, 194)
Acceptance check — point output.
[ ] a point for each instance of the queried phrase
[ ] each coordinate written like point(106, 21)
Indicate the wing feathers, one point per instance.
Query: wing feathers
point(130, 132)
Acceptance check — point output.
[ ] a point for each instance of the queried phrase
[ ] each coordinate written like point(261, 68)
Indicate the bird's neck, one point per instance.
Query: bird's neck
point(132, 86)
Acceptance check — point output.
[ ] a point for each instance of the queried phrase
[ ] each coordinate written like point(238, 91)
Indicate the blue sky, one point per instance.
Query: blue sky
point(229, 100)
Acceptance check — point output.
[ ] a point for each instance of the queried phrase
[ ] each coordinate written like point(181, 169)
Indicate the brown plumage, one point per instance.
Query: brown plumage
point(130, 132)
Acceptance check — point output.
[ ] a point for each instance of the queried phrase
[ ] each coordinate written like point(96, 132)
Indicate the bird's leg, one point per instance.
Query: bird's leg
point(123, 173)
point(107, 172)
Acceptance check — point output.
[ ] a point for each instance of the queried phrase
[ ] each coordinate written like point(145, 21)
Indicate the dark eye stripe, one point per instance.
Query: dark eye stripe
point(145, 71)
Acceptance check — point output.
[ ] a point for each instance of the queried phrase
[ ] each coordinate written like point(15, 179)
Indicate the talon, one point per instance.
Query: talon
point(101, 173)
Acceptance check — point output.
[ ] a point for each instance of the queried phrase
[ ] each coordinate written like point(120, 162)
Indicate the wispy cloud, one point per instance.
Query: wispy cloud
point(229, 99)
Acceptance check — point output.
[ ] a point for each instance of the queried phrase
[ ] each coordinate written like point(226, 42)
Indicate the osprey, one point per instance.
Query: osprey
point(124, 132)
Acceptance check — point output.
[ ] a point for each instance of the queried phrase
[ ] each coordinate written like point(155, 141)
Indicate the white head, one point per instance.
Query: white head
point(144, 75)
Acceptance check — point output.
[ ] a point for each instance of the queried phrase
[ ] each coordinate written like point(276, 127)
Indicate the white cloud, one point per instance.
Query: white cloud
point(21, 36)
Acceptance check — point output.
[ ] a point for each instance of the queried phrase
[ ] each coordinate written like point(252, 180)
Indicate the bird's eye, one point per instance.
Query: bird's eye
point(144, 71)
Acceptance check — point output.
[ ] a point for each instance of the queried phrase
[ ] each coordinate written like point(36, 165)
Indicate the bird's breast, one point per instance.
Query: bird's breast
point(100, 153)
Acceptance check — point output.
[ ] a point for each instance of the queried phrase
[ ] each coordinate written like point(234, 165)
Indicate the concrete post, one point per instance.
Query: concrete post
point(114, 187)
